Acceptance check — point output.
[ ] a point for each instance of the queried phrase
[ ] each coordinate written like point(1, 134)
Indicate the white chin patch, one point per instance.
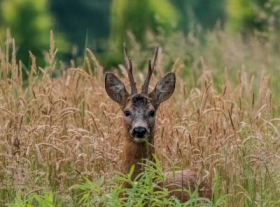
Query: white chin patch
point(139, 140)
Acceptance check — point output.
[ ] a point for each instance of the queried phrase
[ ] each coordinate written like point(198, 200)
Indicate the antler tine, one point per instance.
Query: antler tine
point(129, 70)
point(152, 64)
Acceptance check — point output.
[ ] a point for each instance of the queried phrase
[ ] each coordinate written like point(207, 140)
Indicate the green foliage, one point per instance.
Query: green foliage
point(91, 194)
point(144, 191)
point(199, 12)
point(139, 17)
point(34, 199)
point(81, 19)
point(29, 23)
point(249, 15)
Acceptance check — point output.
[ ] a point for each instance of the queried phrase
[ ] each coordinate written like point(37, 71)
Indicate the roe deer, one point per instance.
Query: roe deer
point(139, 112)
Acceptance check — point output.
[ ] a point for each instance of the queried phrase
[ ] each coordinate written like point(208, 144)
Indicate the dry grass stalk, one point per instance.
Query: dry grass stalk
point(67, 127)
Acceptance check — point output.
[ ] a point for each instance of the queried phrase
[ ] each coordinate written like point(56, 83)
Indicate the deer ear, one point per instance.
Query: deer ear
point(163, 89)
point(115, 88)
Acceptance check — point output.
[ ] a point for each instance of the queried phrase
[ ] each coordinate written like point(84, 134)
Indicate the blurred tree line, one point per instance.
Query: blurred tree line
point(247, 16)
point(103, 26)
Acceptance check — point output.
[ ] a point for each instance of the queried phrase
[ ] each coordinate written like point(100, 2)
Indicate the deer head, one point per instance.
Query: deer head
point(139, 109)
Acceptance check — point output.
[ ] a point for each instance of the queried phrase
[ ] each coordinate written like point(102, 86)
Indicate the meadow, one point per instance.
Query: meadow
point(61, 137)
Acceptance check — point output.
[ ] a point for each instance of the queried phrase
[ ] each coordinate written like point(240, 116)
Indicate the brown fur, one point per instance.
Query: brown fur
point(134, 154)
point(139, 111)
point(185, 180)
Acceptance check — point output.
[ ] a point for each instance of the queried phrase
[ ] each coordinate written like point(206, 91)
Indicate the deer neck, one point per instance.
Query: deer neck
point(135, 154)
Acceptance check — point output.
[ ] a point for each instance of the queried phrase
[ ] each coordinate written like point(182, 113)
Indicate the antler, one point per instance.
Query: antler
point(152, 64)
point(129, 71)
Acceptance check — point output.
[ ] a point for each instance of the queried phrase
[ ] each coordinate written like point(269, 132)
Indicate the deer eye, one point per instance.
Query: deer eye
point(152, 113)
point(127, 113)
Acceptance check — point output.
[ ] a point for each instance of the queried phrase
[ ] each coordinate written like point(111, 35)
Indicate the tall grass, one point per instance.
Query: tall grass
point(61, 138)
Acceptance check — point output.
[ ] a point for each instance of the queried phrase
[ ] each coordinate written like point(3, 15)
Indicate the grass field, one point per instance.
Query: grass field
point(61, 138)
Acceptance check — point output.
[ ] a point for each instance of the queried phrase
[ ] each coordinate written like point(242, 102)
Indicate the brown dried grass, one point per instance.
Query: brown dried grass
point(54, 131)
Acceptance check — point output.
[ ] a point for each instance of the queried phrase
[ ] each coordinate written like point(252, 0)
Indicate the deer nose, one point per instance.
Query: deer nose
point(139, 132)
